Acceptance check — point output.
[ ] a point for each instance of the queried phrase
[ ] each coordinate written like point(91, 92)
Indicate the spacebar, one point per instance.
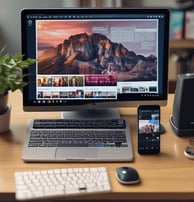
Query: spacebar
point(71, 145)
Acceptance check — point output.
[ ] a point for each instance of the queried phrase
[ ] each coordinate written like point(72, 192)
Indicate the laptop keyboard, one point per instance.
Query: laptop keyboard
point(78, 133)
point(77, 138)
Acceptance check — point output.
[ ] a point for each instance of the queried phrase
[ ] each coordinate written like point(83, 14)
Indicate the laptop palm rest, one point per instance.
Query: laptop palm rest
point(95, 154)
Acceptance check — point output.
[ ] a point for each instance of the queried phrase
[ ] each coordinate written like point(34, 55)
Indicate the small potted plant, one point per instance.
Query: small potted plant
point(11, 79)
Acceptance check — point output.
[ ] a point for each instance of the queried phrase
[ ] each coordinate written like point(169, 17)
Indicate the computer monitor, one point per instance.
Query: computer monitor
point(95, 59)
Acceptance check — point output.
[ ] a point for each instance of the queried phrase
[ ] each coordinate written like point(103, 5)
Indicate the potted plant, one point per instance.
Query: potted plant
point(11, 79)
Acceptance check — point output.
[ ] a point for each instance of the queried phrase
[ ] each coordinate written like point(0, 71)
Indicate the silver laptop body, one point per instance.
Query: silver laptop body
point(77, 154)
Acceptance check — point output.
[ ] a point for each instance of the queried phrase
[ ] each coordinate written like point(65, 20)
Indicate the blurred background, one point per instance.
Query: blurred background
point(181, 58)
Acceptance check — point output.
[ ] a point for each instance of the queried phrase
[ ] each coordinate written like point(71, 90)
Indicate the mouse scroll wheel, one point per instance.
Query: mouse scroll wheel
point(124, 172)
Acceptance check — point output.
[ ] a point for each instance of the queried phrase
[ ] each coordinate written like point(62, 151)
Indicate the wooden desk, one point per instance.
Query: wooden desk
point(168, 176)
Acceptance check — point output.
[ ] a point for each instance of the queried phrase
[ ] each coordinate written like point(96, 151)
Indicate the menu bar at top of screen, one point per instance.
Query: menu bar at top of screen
point(95, 16)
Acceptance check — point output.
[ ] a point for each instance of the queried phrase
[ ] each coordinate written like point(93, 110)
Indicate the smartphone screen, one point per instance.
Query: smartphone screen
point(149, 129)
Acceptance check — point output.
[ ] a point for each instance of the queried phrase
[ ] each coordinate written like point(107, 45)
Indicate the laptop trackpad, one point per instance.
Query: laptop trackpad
point(74, 153)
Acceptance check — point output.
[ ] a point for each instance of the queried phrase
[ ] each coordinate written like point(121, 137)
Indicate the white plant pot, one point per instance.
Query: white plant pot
point(5, 120)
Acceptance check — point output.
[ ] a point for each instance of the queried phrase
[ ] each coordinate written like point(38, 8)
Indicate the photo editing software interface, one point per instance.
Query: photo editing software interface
point(84, 56)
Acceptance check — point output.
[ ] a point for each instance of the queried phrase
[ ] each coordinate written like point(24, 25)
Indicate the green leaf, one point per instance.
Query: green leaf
point(11, 66)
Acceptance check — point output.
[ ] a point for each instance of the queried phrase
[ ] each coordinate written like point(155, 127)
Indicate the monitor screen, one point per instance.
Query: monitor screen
point(95, 58)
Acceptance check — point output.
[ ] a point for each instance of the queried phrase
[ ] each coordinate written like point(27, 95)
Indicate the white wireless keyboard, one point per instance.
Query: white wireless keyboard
point(61, 182)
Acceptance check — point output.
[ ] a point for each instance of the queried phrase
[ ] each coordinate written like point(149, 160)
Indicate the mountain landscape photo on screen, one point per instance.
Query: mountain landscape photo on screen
point(87, 47)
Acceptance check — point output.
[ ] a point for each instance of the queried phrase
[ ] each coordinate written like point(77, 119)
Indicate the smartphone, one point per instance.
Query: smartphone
point(148, 129)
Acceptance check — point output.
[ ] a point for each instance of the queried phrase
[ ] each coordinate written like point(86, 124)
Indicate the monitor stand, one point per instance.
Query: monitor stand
point(112, 113)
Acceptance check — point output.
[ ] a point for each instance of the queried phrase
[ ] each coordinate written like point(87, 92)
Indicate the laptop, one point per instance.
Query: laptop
point(39, 148)
point(79, 65)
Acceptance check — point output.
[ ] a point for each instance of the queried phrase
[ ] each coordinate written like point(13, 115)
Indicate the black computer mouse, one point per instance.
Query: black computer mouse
point(127, 175)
